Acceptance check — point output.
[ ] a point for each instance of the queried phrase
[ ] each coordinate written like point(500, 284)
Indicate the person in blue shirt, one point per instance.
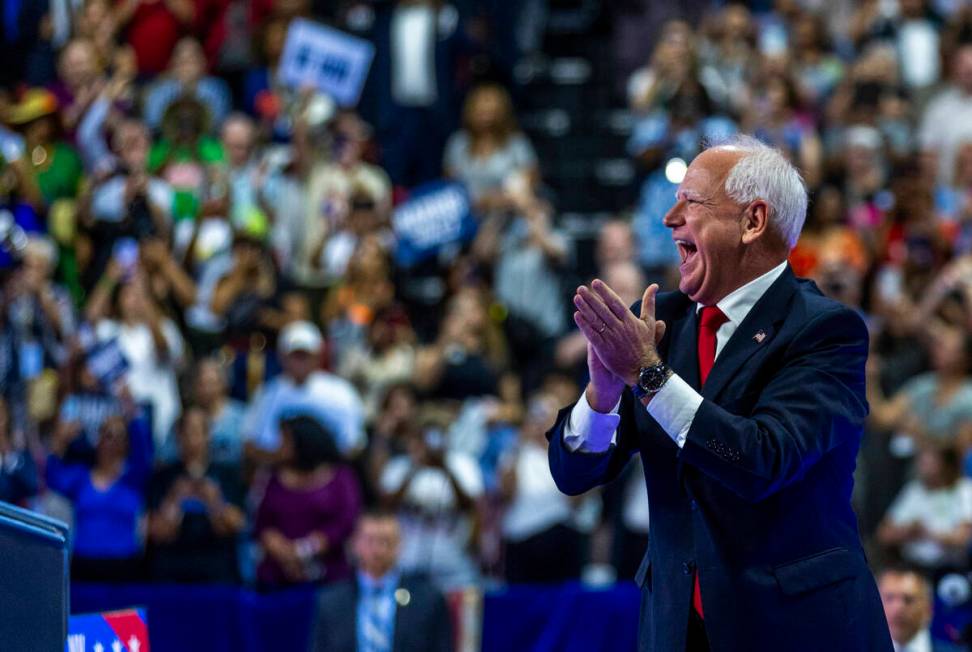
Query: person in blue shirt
point(108, 498)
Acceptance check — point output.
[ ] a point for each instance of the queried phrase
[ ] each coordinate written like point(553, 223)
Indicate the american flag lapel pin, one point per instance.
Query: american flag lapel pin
point(759, 336)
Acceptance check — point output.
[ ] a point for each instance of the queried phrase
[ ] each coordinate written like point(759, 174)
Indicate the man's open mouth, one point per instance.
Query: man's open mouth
point(686, 249)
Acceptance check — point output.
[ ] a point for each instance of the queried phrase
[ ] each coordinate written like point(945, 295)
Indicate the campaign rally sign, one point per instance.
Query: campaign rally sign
point(103, 358)
point(327, 59)
point(114, 631)
point(107, 362)
point(437, 214)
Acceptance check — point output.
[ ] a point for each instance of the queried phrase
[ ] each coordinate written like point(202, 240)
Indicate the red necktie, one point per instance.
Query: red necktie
point(709, 322)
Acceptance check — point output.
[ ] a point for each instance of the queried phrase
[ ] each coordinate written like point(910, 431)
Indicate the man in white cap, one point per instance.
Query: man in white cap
point(303, 388)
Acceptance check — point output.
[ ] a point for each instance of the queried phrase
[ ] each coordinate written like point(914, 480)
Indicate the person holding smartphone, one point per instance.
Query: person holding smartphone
point(434, 491)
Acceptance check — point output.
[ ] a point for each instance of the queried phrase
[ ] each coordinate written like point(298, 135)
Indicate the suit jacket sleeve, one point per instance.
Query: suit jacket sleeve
point(813, 404)
point(578, 471)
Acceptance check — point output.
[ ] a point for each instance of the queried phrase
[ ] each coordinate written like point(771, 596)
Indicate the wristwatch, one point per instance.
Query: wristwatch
point(651, 380)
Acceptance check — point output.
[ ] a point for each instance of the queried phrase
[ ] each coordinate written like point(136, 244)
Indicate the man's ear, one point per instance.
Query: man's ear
point(754, 222)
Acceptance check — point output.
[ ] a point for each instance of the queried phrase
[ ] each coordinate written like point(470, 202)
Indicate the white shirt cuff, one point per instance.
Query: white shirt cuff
point(590, 431)
point(674, 408)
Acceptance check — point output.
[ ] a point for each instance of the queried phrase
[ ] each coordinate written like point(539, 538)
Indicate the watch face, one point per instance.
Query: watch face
point(652, 378)
point(644, 378)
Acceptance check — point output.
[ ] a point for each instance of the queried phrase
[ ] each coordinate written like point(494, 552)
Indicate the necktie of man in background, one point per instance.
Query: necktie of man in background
point(376, 621)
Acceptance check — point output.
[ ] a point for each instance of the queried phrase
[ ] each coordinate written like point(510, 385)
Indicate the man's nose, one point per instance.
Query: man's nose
point(674, 216)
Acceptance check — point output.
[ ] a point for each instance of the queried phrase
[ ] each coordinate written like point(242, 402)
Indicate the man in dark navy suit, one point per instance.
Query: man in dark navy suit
point(907, 598)
point(381, 610)
point(744, 394)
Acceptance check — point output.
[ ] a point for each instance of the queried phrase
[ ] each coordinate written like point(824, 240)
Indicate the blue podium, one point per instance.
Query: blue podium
point(33, 581)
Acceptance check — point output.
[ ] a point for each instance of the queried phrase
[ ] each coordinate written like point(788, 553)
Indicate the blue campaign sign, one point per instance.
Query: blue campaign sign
point(438, 213)
point(327, 59)
point(107, 362)
point(116, 631)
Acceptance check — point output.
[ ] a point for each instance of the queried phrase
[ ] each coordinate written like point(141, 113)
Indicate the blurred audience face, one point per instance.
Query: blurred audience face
point(369, 262)
point(363, 216)
point(626, 279)
point(350, 137)
point(274, 37)
point(778, 95)
point(238, 135)
point(963, 68)
point(375, 544)
point(615, 243)
point(37, 264)
point(132, 303)
point(675, 44)
point(210, 383)
point(193, 434)
point(705, 224)
point(400, 404)
point(948, 351)
point(299, 365)
point(132, 144)
point(295, 306)
point(540, 416)
point(39, 132)
point(487, 110)
point(907, 604)
point(860, 160)
point(185, 121)
point(78, 65)
point(937, 467)
point(735, 23)
point(188, 62)
point(113, 440)
point(93, 17)
point(828, 207)
point(465, 320)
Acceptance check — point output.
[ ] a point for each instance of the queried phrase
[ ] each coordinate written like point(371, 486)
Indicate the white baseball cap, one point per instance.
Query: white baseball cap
point(299, 336)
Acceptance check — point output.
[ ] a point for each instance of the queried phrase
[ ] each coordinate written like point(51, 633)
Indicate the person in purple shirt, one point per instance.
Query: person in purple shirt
point(108, 498)
point(308, 510)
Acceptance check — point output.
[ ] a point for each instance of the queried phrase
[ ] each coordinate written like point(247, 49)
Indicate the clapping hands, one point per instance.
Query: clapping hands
point(619, 343)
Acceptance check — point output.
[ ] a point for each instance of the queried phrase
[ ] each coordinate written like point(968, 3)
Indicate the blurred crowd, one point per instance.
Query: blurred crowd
point(213, 358)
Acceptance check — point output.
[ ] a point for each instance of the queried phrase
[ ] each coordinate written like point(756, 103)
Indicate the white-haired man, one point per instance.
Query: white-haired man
point(744, 394)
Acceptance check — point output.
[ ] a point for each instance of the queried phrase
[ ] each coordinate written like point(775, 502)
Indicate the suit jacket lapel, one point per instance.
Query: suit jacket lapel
point(753, 333)
point(683, 353)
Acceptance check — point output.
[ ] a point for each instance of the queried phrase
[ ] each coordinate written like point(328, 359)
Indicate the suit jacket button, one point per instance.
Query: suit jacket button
point(688, 568)
point(695, 506)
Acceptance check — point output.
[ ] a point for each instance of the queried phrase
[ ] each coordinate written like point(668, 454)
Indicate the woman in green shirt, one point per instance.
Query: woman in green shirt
point(56, 165)
point(188, 158)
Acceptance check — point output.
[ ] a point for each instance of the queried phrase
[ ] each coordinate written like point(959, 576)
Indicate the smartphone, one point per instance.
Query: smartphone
point(125, 253)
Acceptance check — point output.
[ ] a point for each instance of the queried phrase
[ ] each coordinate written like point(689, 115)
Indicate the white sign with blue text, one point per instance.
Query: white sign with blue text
point(326, 59)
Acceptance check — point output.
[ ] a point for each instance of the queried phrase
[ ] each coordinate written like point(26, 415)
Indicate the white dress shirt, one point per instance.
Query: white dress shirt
point(922, 642)
point(675, 404)
point(413, 55)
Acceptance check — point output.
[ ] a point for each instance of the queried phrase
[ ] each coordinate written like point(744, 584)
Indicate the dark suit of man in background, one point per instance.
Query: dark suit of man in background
point(379, 610)
point(745, 398)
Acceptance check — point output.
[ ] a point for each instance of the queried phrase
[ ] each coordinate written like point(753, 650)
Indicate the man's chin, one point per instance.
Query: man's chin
point(686, 287)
